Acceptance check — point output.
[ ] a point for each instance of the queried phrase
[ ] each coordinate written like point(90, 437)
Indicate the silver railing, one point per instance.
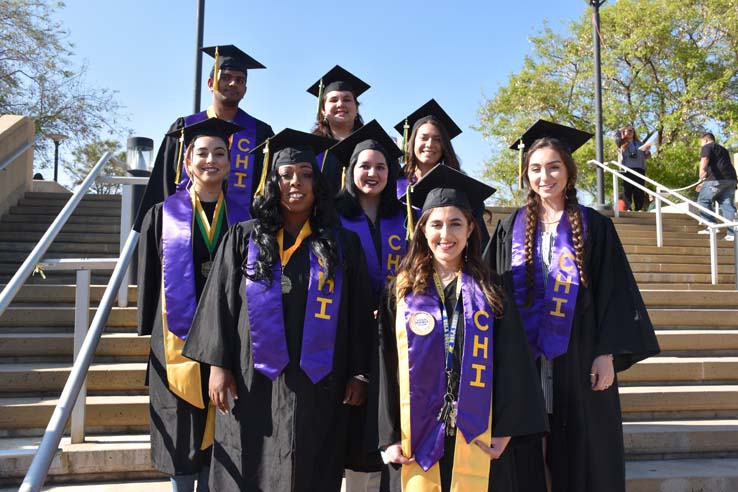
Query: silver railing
point(674, 198)
point(19, 152)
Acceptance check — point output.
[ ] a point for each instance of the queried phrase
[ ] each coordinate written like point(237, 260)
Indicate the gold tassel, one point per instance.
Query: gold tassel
point(521, 146)
point(405, 131)
point(409, 205)
point(343, 178)
point(178, 177)
point(216, 71)
point(264, 170)
point(320, 98)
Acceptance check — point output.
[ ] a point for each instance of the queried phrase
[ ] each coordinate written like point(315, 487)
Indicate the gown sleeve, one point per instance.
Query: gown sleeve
point(149, 272)
point(212, 336)
point(625, 329)
point(389, 388)
point(360, 310)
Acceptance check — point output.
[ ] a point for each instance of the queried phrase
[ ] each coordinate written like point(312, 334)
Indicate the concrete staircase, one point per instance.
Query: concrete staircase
point(680, 409)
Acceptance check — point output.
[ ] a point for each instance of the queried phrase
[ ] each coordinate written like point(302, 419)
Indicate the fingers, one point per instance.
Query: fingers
point(491, 452)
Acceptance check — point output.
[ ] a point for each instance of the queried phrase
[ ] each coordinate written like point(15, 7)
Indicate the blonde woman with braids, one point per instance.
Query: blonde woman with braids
point(446, 343)
point(565, 268)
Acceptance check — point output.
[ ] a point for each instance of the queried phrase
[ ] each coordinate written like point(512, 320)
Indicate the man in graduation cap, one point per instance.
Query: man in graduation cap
point(227, 82)
point(283, 323)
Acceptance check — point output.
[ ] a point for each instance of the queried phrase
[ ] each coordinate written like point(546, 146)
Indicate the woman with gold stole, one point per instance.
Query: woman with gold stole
point(369, 207)
point(446, 343)
point(565, 268)
point(283, 323)
point(178, 241)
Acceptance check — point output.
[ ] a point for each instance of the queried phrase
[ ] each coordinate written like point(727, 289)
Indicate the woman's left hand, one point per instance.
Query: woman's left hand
point(355, 393)
point(603, 373)
point(498, 447)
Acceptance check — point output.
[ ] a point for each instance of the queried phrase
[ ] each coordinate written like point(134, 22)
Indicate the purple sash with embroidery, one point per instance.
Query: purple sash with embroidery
point(177, 263)
point(548, 320)
point(266, 318)
point(426, 364)
point(240, 179)
point(392, 233)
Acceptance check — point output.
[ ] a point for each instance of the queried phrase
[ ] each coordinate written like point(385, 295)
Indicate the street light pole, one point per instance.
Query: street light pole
point(600, 154)
point(57, 138)
point(198, 55)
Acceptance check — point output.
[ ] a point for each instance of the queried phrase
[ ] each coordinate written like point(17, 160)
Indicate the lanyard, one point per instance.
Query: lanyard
point(286, 254)
point(209, 230)
point(449, 332)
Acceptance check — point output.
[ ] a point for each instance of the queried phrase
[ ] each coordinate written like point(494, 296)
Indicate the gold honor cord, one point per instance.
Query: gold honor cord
point(264, 170)
point(321, 87)
point(343, 176)
point(322, 164)
point(409, 206)
point(209, 230)
point(286, 254)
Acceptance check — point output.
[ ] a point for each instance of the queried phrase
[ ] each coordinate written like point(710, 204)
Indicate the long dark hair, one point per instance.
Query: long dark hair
point(448, 156)
point(323, 222)
point(416, 269)
point(571, 208)
point(347, 200)
point(323, 129)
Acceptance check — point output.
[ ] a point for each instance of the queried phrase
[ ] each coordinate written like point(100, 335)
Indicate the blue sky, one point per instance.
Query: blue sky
point(409, 51)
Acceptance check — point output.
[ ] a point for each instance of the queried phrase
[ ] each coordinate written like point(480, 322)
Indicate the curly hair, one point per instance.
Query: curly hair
point(267, 211)
point(571, 208)
point(448, 156)
point(416, 269)
point(347, 201)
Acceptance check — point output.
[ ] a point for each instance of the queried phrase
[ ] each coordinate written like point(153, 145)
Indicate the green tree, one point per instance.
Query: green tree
point(86, 156)
point(39, 80)
point(668, 67)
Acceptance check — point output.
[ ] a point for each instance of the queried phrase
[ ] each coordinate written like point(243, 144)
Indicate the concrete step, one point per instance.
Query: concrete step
point(100, 278)
point(19, 257)
point(50, 378)
point(84, 249)
point(655, 267)
point(110, 228)
point(52, 294)
point(60, 202)
point(724, 250)
point(692, 370)
point(91, 197)
point(30, 415)
point(22, 347)
point(679, 400)
point(679, 438)
point(61, 316)
point(698, 241)
point(684, 475)
point(79, 211)
point(74, 237)
point(694, 317)
point(693, 259)
point(694, 278)
point(48, 218)
point(685, 286)
point(697, 340)
point(691, 298)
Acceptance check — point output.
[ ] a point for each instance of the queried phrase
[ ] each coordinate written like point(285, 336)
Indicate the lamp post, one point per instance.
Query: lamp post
point(600, 154)
point(200, 20)
point(57, 138)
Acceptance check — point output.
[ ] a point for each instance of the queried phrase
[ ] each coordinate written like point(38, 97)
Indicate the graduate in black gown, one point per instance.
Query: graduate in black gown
point(427, 133)
point(337, 116)
point(368, 206)
point(176, 248)
point(566, 269)
point(284, 324)
point(227, 82)
point(457, 381)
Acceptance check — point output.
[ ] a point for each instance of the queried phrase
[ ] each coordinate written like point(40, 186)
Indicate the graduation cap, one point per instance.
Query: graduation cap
point(211, 127)
point(289, 147)
point(444, 186)
point(337, 79)
point(228, 57)
point(572, 139)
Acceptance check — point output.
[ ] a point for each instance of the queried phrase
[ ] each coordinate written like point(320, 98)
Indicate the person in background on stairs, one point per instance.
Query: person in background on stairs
point(176, 248)
point(718, 181)
point(632, 154)
point(227, 83)
point(565, 268)
point(284, 323)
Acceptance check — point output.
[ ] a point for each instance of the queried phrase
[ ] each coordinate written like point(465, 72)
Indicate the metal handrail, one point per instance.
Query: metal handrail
point(19, 152)
point(39, 468)
point(661, 195)
point(15, 283)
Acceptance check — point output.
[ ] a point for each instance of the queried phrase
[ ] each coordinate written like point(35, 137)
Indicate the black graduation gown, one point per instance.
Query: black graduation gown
point(176, 426)
point(288, 434)
point(585, 447)
point(518, 408)
point(164, 173)
point(332, 171)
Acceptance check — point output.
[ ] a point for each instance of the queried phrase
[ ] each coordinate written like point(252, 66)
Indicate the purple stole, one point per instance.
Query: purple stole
point(177, 262)
point(266, 319)
point(423, 328)
point(548, 320)
point(401, 185)
point(392, 233)
point(240, 178)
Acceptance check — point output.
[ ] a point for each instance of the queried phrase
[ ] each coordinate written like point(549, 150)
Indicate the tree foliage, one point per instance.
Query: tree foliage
point(667, 67)
point(86, 156)
point(39, 80)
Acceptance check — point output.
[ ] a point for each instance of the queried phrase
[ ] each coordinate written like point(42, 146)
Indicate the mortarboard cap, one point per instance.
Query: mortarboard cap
point(338, 79)
point(444, 186)
point(228, 57)
point(427, 112)
point(370, 136)
point(571, 137)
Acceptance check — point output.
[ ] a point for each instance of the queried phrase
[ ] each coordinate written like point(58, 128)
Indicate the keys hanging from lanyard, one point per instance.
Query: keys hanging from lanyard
point(449, 330)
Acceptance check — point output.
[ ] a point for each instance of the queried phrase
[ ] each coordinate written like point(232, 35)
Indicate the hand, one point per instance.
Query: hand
point(220, 384)
point(603, 373)
point(703, 175)
point(499, 444)
point(394, 455)
point(355, 393)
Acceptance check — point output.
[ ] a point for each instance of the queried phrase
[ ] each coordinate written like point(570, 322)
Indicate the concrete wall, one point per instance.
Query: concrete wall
point(15, 180)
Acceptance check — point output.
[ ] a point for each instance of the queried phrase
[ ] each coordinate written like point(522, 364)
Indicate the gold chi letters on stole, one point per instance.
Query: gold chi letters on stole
point(471, 464)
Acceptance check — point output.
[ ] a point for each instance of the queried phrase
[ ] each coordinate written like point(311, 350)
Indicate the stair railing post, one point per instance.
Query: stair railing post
point(125, 227)
point(713, 255)
point(81, 322)
point(615, 196)
point(735, 256)
point(659, 220)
